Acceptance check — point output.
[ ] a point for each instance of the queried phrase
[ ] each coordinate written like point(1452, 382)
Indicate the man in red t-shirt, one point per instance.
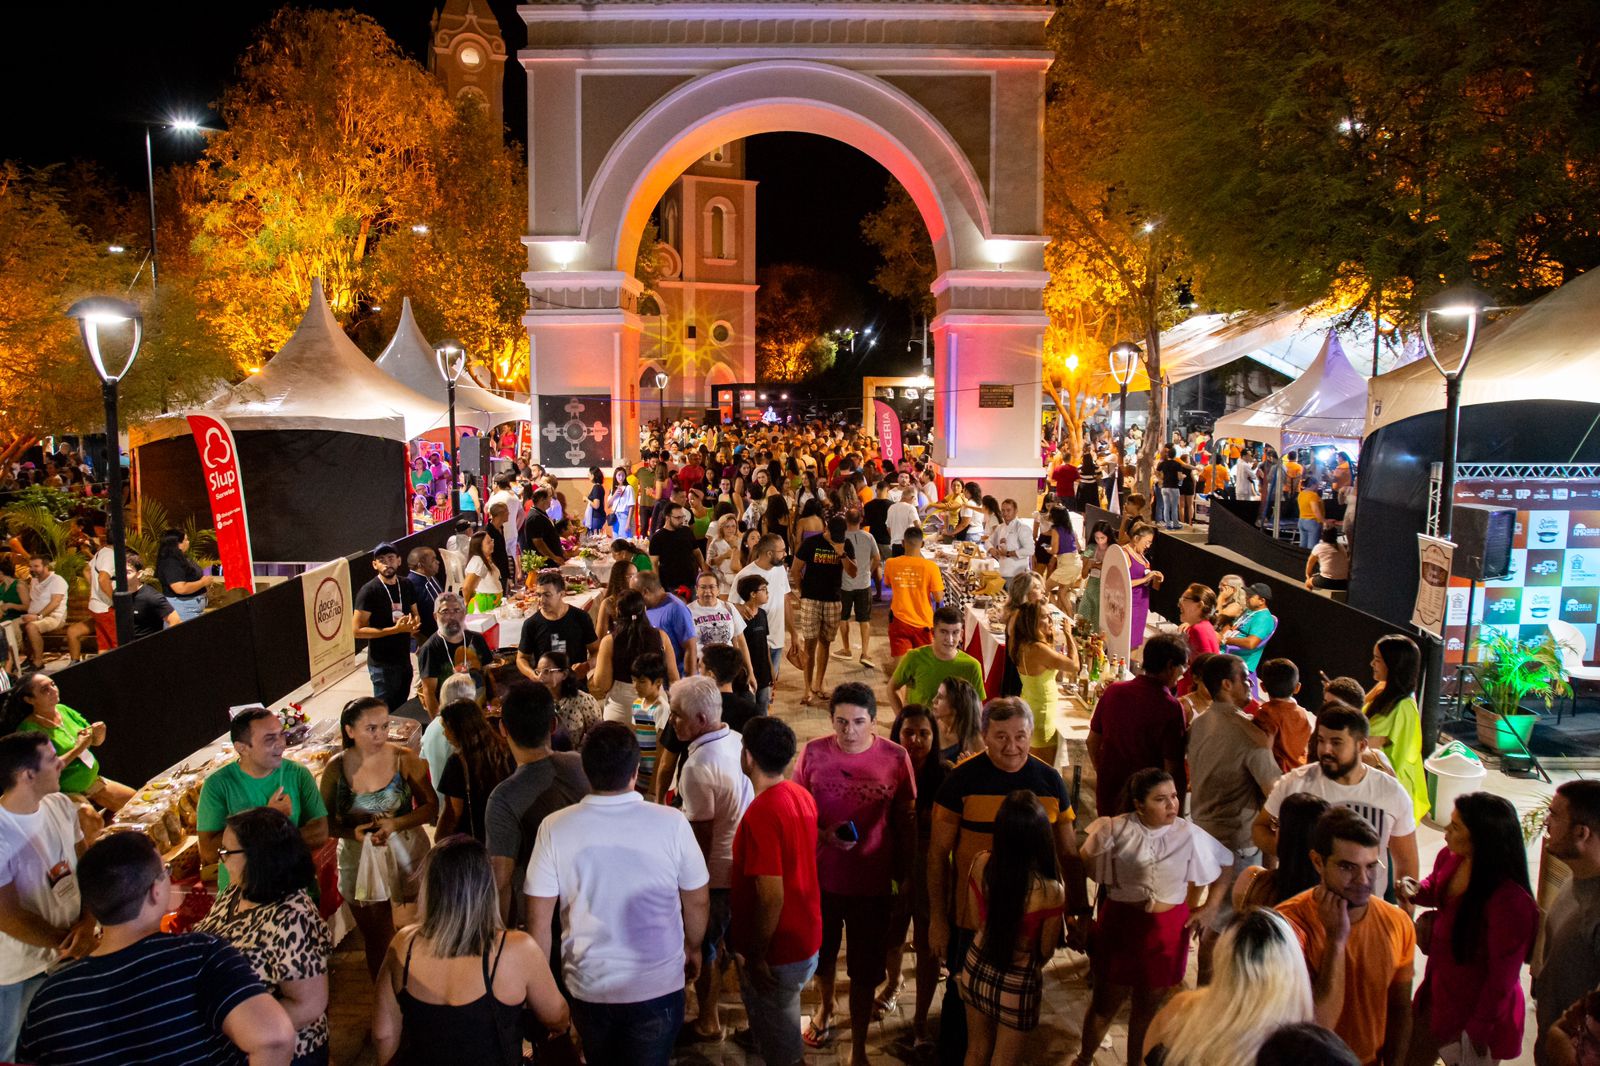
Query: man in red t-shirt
point(1064, 477)
point(776, 902)
point(1139, 723)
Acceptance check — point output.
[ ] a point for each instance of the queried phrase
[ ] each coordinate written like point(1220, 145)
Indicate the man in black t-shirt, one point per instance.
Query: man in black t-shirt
point(423, 566)
point(753, 592)
point(152, 612)
point(437, 657)
point(819, 567)
point(385, 617)
point(555, 626)
point(674, 553)
point(538, 533)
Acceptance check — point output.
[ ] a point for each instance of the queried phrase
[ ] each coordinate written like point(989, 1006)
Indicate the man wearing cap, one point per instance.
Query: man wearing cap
point(1248, 637)
point(385, 617)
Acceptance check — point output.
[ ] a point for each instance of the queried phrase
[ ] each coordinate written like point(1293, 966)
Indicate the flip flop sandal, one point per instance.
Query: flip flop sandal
point(817, 1038)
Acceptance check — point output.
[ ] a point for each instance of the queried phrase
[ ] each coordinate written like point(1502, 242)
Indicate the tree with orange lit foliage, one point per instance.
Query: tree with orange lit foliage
point(793, 309)
point(333, 142)
point(55, 226)
point(465, 274)
point(1112, 262)
point(1085, 320)
point(1372, 155)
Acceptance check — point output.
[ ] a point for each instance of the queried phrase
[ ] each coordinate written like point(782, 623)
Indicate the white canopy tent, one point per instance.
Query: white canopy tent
point(1286, 341)
point(318, 380)
point(1548, 350)
point(410, 360)
point(1326, 404)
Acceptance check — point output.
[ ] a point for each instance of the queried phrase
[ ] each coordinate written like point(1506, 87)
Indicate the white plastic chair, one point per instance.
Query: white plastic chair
point(1574, 651)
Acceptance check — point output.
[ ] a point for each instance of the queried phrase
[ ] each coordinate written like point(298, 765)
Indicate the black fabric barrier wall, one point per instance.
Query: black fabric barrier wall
point(1228, 529)
point(165, 696)
point(311, 494)
point(1314, 632)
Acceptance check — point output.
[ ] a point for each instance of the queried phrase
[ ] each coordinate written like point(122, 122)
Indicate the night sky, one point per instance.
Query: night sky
point(82, 77)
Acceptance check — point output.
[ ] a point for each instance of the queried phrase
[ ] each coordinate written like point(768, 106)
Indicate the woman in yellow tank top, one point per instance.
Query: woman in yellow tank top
point(1031, 645)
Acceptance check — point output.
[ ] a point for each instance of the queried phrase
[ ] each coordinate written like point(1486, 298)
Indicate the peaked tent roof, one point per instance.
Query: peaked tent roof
point(1285, 341)
point(318, 380)
point(1326, 403)
point(1548, 350)
point(410, 360)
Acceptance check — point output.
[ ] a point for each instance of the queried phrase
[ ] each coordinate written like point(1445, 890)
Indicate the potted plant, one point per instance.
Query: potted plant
point(532, 563)
point(1511, 671)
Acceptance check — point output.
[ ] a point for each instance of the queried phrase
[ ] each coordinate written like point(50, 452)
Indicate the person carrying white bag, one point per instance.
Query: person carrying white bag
point(379, 797)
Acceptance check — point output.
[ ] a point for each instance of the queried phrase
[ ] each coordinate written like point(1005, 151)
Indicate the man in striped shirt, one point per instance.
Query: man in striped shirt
point(148, 996)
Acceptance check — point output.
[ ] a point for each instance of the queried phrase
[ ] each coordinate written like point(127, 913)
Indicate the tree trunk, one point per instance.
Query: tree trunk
point(1155, 430)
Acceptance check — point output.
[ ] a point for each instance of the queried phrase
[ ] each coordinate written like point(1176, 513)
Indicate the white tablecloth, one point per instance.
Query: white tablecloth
point(503, 627)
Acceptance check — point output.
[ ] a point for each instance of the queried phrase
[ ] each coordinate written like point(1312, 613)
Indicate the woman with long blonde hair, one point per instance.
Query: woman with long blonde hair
point(454, 986)
point(1260, 983)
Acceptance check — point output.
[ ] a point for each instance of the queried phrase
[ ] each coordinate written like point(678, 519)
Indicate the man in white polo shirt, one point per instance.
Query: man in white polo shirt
point(1339, 775)
point(1010, 543)
point(715, 793)
point(633, 890)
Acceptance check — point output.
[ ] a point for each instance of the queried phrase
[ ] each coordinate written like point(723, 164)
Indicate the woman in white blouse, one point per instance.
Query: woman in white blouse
point(723, 551)
point(482, 588)
point(1154, 869)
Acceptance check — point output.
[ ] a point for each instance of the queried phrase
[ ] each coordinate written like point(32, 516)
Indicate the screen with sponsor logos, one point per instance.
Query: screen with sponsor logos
point(1555, 564)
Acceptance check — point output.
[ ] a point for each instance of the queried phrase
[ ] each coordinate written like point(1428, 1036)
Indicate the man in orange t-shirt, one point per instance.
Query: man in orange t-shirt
point(917, 585)
point(1289, 724)
point(1367, 1001)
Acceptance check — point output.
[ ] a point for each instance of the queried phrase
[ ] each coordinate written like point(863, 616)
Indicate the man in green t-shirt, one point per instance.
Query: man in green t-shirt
point(921, 670)
point(261, 777)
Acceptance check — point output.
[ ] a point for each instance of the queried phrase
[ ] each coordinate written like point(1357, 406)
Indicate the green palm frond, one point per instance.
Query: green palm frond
point(1515, 670)
point(51, 535)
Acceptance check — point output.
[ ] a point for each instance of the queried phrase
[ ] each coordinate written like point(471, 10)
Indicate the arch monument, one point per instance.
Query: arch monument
point(624, 95)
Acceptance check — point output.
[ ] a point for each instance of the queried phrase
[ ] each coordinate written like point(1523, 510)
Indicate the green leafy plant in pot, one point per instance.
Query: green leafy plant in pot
point(1512, 671)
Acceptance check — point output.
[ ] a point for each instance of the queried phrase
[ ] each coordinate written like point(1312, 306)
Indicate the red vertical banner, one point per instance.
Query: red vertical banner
point(219, 464)
point(888, 423)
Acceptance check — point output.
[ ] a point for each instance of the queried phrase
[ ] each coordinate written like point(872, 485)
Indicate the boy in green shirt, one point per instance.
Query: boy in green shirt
point(921, 669)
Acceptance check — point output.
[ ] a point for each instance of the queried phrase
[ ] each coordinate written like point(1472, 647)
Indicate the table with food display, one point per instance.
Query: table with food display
point(586, 577)
point(164, 808)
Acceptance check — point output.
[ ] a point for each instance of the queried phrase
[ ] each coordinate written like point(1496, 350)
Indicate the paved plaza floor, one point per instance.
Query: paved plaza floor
point(1066, 988)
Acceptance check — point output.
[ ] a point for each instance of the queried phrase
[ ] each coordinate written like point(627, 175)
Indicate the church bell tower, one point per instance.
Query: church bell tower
point(468, 55)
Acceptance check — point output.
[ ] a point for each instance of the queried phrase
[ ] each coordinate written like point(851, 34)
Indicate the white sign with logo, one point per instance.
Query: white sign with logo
point(1116, 602)
point(330, 622)
point(1433, 584)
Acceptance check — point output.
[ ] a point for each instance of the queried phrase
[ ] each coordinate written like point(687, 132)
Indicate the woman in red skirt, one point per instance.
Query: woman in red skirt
point(1153, 869)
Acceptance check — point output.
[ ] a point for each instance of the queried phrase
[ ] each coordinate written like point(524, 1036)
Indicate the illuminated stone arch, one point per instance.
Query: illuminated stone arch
point(948, 97)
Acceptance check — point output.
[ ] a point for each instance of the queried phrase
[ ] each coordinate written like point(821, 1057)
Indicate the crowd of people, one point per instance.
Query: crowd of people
point(612, 816)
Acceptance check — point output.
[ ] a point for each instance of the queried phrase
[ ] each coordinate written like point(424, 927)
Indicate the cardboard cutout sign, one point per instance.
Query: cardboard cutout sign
point(1116, 603)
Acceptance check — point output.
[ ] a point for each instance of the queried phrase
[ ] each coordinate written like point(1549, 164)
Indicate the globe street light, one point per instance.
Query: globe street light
point(181, 125)
point(1463, 304)
point(661, 400)
point(1124, 356)
point(1466, 304)
point(452, 359)
point(92, 315)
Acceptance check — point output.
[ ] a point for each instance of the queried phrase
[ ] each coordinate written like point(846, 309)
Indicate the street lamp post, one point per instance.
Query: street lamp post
point(182, 125)
point(661, 401)
point(1124, 357)
point(1465, 304)
point(452, 359)
point(92, 314)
